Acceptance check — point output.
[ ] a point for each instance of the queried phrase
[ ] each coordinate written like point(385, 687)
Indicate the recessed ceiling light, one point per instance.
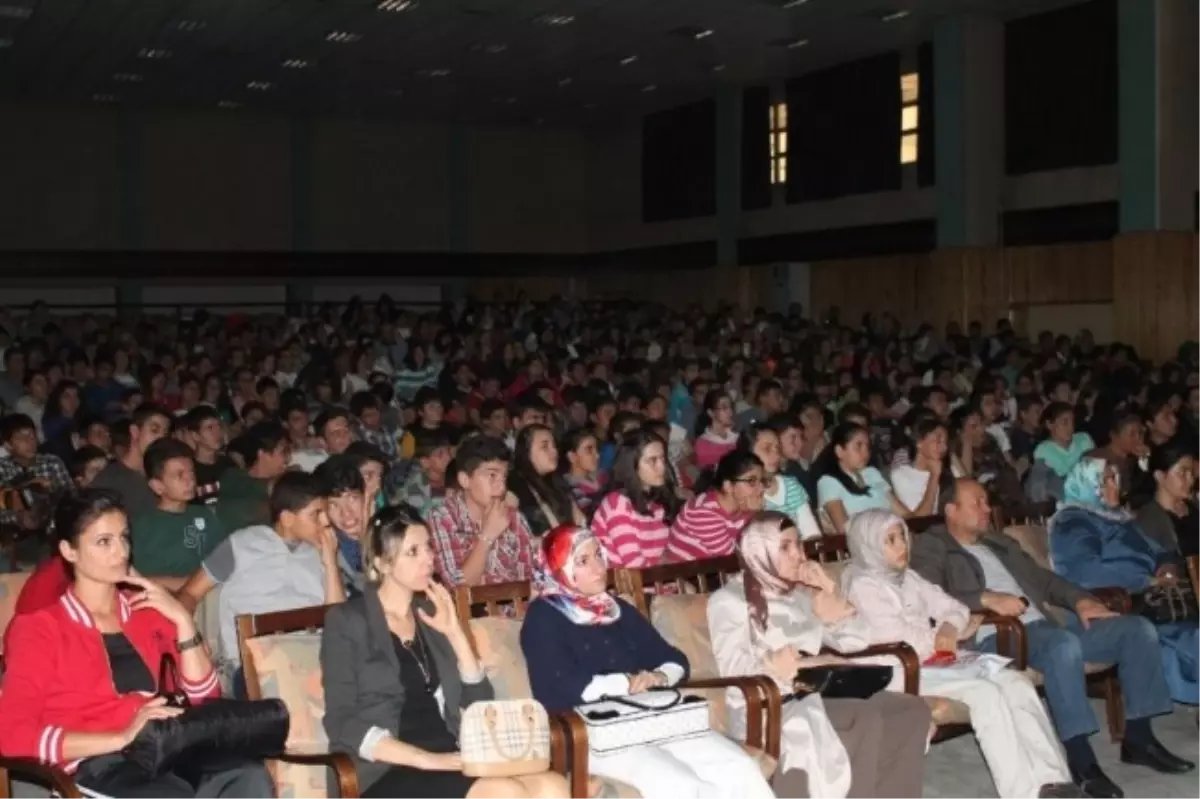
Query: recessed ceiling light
point(296, 63)
point(155, 54)
point(555, 20)
point(15, 12)
point(438, 72)
point(259, 85)
point(718, 68)
point(494, 48)
point(702, 34)
point(397, 5)
point(627, 60)
point(892, 16)
point(796, 44)
point(793, 3)
point(128, 77)
point(104, 98)
point(343, 37)
point(228, 104)
point(649, 87)
point(191, 25)
point(566, 82)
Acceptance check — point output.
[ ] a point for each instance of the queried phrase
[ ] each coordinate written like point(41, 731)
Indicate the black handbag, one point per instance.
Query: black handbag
point(1164, 604)
point(851, 681)
point(205, 736)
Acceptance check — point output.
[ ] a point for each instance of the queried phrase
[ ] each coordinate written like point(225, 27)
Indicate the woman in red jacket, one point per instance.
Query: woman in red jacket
point(83, 672)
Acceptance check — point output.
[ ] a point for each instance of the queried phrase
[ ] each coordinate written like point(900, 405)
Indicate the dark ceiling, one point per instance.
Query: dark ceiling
point(562, 62)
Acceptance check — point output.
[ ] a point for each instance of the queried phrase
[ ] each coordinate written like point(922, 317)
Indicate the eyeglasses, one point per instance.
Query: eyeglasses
point(753, 482)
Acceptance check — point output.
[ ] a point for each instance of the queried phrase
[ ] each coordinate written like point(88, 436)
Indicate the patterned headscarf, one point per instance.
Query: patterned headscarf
point(865, 537)
point(555, 579)
point(758, 551)
point(1084, 488)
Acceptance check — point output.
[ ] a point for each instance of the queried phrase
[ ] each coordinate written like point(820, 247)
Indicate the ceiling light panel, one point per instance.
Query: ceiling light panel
point(154, 53)
point(555, 20)
point(13, 11)
point(397, 6)
point(343, 37)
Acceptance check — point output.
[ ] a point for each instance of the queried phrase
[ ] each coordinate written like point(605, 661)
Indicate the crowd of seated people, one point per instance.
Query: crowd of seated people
point(364, 457)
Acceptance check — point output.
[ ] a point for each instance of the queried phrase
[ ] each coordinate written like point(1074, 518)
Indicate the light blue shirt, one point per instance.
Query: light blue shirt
point(997, 577)
point(878, 495)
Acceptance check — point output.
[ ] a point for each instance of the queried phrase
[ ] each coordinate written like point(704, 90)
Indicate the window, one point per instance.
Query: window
point(779, 141)
point(910, 90)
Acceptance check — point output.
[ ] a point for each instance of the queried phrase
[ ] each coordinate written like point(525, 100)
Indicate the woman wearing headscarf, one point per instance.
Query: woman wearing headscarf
point(774, 619)
point(582, 644)
point(1094, 542)
point(897, 604)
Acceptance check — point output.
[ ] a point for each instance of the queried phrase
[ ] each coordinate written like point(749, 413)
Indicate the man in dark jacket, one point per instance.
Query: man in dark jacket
point(989, 571)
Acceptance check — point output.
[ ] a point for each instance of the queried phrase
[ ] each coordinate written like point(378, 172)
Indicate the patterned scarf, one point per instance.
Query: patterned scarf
point(1084, 489)
point(555, 578)
point(758, 552)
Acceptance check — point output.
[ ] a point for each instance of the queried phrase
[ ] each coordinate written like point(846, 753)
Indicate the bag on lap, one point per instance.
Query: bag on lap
point(506, 738)
point(616, 723)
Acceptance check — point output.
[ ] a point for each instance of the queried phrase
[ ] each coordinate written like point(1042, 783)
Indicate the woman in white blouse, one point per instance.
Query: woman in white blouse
point(897, 604)
point(917, 483)
point(774, 619)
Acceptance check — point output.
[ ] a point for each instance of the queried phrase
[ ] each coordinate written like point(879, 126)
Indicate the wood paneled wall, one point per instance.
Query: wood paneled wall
point(1155, 289)
point(965, 284)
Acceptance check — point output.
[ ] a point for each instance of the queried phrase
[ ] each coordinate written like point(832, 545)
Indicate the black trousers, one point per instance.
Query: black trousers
point(114, 776)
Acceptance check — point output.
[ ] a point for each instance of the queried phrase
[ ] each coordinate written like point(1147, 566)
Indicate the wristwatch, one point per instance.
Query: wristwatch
point(191, 643)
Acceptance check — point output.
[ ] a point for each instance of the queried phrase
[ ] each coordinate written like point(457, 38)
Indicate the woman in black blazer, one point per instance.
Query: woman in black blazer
point(392, 660)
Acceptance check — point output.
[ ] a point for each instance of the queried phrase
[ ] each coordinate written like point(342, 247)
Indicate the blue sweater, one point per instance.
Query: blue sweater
point(1093, 551)
point(563, 657)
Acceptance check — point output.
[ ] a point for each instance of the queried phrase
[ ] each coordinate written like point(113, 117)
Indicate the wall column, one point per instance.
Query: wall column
point(969, 126)
point(458, 173)
point(729, 173)
point(1157, 88)
point(131, 183)
point(301, 141)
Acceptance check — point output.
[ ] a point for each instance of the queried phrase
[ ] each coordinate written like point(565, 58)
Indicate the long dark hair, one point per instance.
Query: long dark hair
point(623, 478)
point(703, 419)
point(827, 463)
point(386, 531)
point(534, 490)
point(925, 425)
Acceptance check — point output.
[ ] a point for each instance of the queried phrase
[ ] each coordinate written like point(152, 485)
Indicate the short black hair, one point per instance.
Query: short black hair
point(529, 400)
point(161, 452)
point(14, 423)
point(366, 452)
point(474, 452)
point(766, 386)
point(266, 384)
point(490, 406)
point(147, 411)
point(265, 436)
point(363, 401)
point(328, 415)
point(339, 475)
point(252, 406)
point(427, 442)
point(81, 457)
point(424, 396)
point(196, 417)
point(295, 491)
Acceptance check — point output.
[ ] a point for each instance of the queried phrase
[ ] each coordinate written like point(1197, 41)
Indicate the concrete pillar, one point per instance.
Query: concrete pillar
point(458, 174)
point(728, 173)
point(131, 183)
point(1157, 90)
point(301, 141)
point(968, 83)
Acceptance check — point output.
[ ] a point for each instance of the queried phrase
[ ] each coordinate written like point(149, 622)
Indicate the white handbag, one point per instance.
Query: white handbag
point(616, 723)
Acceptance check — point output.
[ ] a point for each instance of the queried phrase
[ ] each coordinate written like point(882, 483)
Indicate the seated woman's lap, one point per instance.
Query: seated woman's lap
point(404, 781)
point(115, 776)
point(679, 768)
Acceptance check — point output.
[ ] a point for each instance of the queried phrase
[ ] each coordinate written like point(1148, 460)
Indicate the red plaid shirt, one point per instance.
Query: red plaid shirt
point(455, 533)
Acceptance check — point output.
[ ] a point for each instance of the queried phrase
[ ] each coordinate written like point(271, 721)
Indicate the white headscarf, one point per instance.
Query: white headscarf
point(865, 536)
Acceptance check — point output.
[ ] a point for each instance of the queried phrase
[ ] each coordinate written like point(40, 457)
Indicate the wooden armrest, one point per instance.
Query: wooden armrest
point(907, 655)
point(1117, 599)
point(56, 779)
point(1011, 640)
point(342, 765)
point(569, 751)
point(761, 695)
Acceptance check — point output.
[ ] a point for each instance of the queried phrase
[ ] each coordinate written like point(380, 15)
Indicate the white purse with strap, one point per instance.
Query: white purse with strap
point(617, 723)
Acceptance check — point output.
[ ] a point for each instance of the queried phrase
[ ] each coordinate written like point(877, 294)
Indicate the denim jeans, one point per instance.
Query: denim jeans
point(1060, 652)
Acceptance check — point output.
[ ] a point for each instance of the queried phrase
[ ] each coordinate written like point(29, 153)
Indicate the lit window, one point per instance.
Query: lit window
point(910, 92)
point(778, 124)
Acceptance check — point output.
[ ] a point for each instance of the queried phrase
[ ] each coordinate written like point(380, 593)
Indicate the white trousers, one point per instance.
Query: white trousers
point(704, 767)
point(1013, 729)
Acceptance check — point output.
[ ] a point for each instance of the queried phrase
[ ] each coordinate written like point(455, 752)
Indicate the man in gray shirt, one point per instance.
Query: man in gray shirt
point(127, 476)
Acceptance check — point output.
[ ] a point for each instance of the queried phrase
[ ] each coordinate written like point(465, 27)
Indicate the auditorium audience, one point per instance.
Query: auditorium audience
point(897, 604)
point(126, 475)
point(781, 492)
point(544, 497)
point(989, 571)
point(715, 436)
point(775, 618)
point(708, 525)
point(582, 644)
point(633, 517)
point(1171, 518)
point(75, 699)
point(846, 483)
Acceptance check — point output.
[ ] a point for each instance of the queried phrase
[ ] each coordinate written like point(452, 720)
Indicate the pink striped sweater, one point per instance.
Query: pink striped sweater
point(633, 541)
point(703, 529)
point(711, 447)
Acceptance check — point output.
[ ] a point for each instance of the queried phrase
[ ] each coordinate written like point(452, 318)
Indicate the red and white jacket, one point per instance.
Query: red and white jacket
point(58, 680)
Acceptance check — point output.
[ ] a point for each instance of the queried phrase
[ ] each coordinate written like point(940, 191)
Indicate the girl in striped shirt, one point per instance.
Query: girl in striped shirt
point(783, 493)
point(633, 518)
point(708, 526)
point(714, 430)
